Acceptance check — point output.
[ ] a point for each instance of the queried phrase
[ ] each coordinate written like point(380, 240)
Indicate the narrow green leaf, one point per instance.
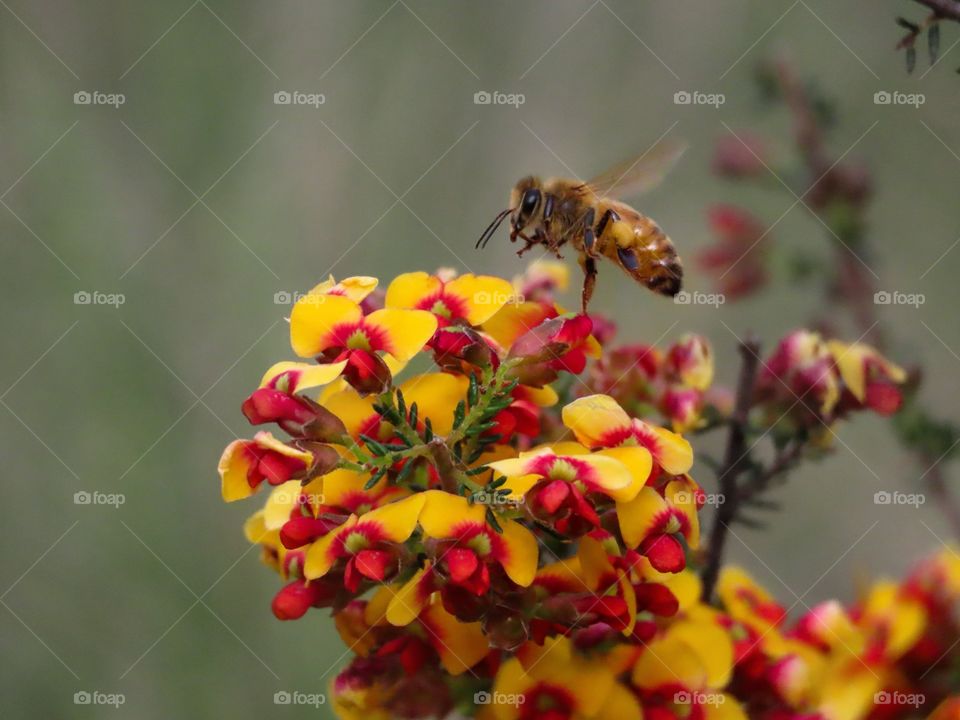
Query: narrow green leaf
point(492, 522)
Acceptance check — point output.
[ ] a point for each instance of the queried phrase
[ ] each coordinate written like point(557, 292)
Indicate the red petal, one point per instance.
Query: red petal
point(461, 563)
point(883, 398)
point(300, 530)
point(293, 600)
point(664, 552)
point(552, 495)
point(657, 599)
point(373, 563)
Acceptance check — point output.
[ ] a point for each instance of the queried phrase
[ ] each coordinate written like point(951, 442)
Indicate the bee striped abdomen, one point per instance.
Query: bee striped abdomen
point(643, 250)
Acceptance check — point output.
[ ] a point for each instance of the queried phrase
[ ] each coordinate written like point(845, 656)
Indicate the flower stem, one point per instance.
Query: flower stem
point(734, 461)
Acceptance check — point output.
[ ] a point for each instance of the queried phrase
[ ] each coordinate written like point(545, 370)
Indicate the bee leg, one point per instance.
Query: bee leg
point(548, 203)
point(608, 216)
point(589, 238)
point(589, 265)
point(528, 243)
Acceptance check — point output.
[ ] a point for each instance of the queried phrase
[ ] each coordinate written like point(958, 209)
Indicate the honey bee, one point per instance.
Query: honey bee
point(555, 211)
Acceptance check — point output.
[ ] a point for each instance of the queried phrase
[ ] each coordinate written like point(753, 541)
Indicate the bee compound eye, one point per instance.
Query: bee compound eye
point(530, 200)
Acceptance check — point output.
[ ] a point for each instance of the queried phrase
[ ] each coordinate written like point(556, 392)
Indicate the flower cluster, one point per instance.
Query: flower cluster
point(809, 382)
point(493, 543)
point(891, 654)
point(671, 383)
point(459, 518)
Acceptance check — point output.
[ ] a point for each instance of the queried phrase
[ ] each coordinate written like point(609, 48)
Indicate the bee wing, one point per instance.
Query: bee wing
point(640, 173)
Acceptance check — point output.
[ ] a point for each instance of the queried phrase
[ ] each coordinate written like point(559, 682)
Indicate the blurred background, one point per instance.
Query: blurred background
point(203, 204)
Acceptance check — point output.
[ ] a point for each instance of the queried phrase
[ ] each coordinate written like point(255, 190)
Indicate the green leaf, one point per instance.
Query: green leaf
point(458, 414)
point(406, 471)
point(375, 478)
point(492, 522)
point(374, 446)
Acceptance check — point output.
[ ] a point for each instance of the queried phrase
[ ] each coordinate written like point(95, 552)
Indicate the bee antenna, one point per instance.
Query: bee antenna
point(492, 228)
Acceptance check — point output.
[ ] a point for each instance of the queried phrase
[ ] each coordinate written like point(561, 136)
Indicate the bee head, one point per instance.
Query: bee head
point(525, 200)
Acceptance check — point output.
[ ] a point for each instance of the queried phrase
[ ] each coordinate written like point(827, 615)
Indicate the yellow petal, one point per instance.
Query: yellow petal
point(254, 529)
point(408, 602)
point(341, 486)
point(314, 316)
point(513, 320)
point(375, 613)
point(545, 396)
point(594, 416)
point(356, 288)
point(460, 645)
point(320, 556)
point(712, 645)
point(482, 295)
point(638, 460)
point(233, 466)
point(724, 707)
point(620, 704)
point(443, 512)
point(436, 396)
point(673, 451)
point(521, 553)
point(409, 289)
point(406, 331)
point(668, 661)
point(300, 375)
point(594, 563)
point(638, 517)
point(681, 493)
point(280, 503)
point(513, 680)
point(396, 521)
point(685, 586)
point(355, 412)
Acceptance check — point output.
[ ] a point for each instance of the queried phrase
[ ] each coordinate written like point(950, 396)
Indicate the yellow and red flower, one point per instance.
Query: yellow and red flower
point(555, 486)
point(334, 328)
point(465, 551)
point(871, 379)
point(369, 545)
point(469, 299)
point(598, 421)
point(247, 463)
